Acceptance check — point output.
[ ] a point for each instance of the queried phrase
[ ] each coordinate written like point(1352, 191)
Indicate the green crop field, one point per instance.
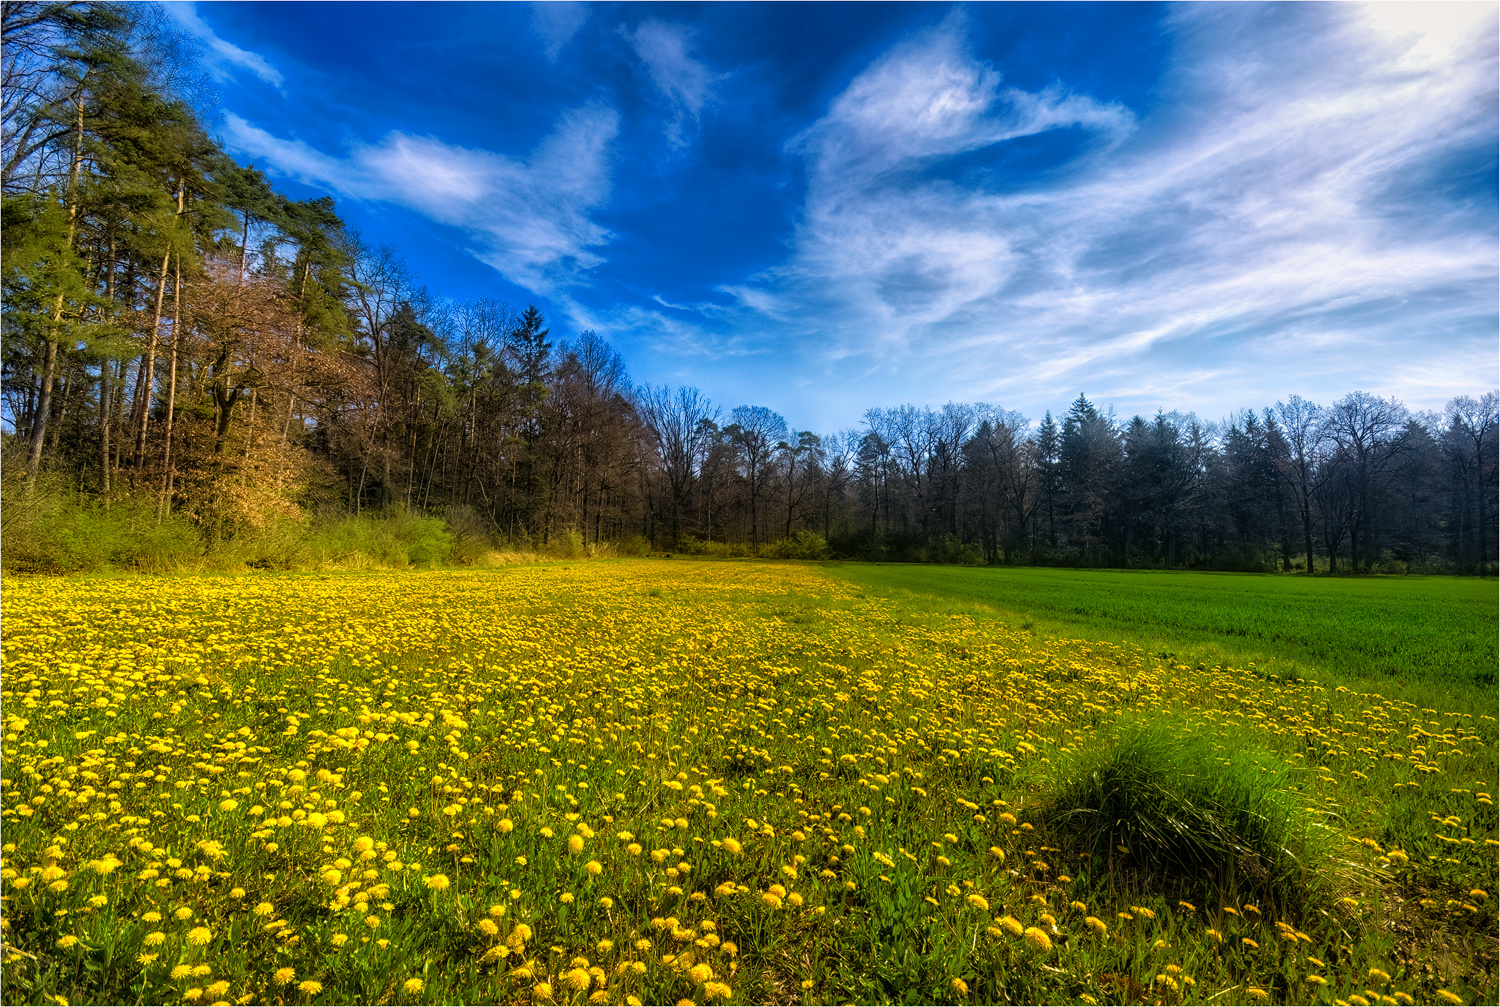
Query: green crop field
point(1440, 632)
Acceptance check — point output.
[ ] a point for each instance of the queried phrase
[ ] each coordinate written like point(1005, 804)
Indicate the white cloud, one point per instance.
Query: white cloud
point(530, 217)
point(1291, 180)
point(557, 21)
point(686, 83)
point(222, 53)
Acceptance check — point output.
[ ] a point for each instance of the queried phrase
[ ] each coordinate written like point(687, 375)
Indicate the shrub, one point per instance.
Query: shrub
point(803, 545)
point(1193, 815)
point(49, 531)
point(471, 534)
point(568, 545)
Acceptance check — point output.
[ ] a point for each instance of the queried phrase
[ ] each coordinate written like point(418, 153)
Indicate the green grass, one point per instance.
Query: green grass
point(1435, 630)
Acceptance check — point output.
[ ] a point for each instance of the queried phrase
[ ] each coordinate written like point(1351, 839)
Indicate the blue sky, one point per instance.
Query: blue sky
point(824, 208)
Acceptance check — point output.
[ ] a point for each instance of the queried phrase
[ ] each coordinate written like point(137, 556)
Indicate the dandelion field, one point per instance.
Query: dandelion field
point(664, 781)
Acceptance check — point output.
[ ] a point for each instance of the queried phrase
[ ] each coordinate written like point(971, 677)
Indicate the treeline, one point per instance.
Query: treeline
point(185, 345)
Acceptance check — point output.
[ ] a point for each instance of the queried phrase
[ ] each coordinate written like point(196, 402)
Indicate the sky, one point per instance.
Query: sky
point(828, 208)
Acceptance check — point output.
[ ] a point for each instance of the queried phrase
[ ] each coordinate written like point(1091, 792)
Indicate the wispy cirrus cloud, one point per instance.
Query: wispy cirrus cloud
point(222, 54)
point(684, 82)
point(531, 217)
point(1283, 194)
point(557, 22)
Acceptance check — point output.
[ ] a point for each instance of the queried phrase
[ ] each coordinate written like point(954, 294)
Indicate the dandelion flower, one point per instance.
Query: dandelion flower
point(959, 987)
point(594, 867)
point(67, 942)
point(1037, 938)
point(732, 845)
point(542, 991)
point(575, 843)
point(1012, 926)
point(438, 882)
point(200, 935)
point(284, 976)
point(311, 987)
point(154, 938)
point(412, 986)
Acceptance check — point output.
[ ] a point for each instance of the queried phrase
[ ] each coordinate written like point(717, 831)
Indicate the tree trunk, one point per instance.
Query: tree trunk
point(43, 408)
point(148, 363)
point(49, 351)
point(164, 501)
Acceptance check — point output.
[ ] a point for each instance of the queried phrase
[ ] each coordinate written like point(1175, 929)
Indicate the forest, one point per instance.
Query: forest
point(193, 359)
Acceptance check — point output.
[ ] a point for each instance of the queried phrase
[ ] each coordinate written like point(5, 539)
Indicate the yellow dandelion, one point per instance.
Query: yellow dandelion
point(959, 987)
point(438, 882)
point(284, 976)
point(311, 987)
point(1037, 938)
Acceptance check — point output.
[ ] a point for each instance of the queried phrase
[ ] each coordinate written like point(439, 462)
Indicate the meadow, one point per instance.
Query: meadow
point(655, 781)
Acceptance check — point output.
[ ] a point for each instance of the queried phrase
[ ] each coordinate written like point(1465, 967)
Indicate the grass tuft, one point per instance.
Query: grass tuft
point(1167, 808)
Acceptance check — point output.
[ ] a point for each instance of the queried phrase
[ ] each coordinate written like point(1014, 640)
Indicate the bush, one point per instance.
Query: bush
point(396, 538)
point(568, 545)
point(1196, 817)
point(50, 532)
point(471, 535)
point(803, 545)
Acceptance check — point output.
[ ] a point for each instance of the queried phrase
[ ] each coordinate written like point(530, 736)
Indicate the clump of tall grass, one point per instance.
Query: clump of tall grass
point(1166, 808)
